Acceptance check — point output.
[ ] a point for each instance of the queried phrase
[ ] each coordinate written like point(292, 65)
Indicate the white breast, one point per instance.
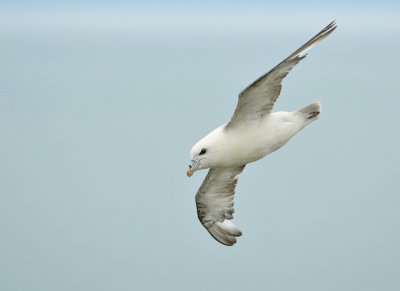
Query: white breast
point(253, 141)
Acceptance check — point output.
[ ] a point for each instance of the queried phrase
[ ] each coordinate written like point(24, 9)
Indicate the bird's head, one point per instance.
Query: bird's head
point(204, 154)
point(199, 159)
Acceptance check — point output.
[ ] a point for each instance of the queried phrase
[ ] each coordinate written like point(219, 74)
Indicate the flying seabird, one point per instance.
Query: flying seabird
point(253, 132)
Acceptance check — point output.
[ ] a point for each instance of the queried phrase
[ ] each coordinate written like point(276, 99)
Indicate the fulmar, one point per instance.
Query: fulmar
point(253, 132)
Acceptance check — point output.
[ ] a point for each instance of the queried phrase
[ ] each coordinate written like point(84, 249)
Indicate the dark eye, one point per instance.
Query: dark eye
point(203, 151)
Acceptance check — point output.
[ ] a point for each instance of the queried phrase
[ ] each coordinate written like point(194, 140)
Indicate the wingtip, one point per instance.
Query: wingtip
point(331, 26)
point(305, 48)
point(225, 232)
point(328, 29)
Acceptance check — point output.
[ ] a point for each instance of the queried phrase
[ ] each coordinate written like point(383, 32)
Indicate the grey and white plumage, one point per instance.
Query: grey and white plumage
point(252, 133)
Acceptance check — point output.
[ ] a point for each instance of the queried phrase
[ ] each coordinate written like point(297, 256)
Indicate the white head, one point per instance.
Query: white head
point(204, 154)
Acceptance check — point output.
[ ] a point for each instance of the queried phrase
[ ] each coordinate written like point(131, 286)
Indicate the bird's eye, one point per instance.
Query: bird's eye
point(203, 151)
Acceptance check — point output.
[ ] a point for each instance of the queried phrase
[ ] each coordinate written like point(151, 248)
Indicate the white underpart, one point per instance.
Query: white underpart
point(243, 145)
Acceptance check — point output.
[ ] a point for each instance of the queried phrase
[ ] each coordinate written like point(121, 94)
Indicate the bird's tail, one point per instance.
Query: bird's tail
point(311, 111)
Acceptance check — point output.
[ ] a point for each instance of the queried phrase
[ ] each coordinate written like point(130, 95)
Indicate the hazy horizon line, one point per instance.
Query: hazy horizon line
point(148, 20)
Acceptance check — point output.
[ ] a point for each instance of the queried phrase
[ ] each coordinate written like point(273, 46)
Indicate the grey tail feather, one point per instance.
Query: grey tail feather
point(311, 111)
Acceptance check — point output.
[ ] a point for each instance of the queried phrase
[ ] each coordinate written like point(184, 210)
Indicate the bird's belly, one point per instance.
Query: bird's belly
point(261, 139)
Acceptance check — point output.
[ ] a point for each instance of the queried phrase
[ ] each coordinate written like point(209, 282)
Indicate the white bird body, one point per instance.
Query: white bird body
point(253, 132)
point(252, 141)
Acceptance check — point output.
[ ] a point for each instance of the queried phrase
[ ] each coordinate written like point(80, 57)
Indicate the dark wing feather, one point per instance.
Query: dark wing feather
point(258, 99)
point(214, 202)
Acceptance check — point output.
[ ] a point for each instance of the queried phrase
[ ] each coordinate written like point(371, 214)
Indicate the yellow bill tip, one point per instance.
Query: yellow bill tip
point(189, 173)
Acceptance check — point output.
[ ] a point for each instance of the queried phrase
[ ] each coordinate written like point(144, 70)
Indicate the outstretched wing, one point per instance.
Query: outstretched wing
point(258, 99)
point(214, 202)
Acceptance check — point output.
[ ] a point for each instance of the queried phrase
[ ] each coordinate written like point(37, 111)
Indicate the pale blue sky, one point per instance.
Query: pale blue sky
point(206, 3)
point(100, 104)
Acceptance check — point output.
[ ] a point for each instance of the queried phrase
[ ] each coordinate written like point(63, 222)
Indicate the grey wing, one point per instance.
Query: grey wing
point(214, 202)
point(258, 99)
